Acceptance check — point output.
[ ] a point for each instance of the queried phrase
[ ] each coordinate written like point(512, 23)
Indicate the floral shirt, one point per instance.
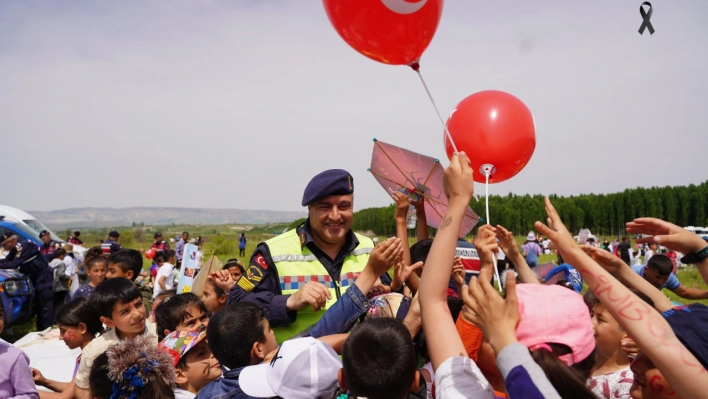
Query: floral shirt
point(614, 385)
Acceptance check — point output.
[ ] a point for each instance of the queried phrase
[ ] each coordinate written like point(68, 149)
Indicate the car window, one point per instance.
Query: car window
point(22, 232)
point(39, 226)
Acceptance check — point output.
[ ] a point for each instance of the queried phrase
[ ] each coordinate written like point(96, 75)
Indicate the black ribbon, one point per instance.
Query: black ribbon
point(646, 24)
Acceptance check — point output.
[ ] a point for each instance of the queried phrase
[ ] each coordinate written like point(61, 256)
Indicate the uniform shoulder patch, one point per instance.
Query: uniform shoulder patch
point(255, 272)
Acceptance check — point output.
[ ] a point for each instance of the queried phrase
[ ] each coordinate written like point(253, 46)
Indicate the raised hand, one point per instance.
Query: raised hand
point(402, 272)
point(558, 233)
point(458, 273)
point(457, 180)
point(507, 242)
point(222, 279)
point(605, 259)
point(667, 234)
point(312, 293)
point(402, 206)
point(384, 255)
point(495, 316)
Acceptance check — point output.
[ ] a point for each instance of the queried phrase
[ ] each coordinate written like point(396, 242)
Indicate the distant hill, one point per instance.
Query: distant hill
point(105, 217)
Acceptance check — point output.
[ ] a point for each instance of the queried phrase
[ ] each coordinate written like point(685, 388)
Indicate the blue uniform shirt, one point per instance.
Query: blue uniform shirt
point(672, 283)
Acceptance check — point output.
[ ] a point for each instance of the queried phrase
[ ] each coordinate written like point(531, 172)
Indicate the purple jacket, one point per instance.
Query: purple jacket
point(15, 376)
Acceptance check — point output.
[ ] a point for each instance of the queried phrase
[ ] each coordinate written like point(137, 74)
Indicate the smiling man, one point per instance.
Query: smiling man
point(297, 275)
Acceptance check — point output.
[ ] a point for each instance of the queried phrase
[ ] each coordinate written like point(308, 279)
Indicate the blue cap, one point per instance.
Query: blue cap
point(329, 182)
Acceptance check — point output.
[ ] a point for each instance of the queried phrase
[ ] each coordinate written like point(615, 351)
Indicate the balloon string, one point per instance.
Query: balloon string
point(486, 205)
point(447, 132)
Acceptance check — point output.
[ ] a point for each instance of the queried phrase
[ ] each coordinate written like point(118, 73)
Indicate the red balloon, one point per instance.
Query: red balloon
point(493, 128)
point(150, 253)
point(394, 32)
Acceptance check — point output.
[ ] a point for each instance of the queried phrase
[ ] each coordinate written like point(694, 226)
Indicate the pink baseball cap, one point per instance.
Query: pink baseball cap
point(554, 314)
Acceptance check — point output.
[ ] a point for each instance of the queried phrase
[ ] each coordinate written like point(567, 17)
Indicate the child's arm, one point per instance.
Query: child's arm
point(511, 250)
point(440, 332)
point(55, 386)
point(161, 281)
point(402, 205)
point(648, 328)
point(627, 276)
point(421, 219)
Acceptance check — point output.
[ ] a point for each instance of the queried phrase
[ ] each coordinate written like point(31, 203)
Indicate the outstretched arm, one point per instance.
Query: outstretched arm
point(440, 332)
point(402, 205)
point(648, 328)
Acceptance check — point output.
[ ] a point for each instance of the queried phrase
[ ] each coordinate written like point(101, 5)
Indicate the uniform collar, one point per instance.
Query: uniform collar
point(304, 231)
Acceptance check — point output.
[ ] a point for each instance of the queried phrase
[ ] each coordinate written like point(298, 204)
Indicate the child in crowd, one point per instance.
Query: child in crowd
point(531, 250)
point(133, 369)
point(128, 263)
point(15, 376)
point(303, 368)
point(78, 323)
point(214, 298)
point(62, 279)
point(200, 258)
point(611, 377)
point(183, 312)
point(97, 269)
point(239, 335)
point(195, 366)
point(164, 280)
point(649, 252)
point(161, 297)
point(157, 262)
point(379, 362)
point(235, 268)
point(120, 307)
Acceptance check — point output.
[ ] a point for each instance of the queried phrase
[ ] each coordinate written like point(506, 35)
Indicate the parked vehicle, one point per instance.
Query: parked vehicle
point(21, 217)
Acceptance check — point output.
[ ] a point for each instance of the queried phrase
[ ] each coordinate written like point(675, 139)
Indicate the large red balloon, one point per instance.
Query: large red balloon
point(493, 128)
point(150, 253)
point(394, 32)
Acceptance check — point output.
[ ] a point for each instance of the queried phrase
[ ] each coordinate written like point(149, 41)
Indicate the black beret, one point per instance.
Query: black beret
point(43, 233)
point(329, 182)
point(113, 234)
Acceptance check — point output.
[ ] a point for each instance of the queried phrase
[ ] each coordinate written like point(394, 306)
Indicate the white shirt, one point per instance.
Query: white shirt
point(164, 271)
point(647, 255)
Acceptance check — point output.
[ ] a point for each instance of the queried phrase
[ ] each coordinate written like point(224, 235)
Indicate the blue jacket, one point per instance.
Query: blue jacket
point(225, 387)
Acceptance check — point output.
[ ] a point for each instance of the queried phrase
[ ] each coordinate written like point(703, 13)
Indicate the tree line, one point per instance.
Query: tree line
point(603, 214)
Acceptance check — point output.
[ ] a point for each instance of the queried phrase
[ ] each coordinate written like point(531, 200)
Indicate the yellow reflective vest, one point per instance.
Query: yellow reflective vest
point(297, 265)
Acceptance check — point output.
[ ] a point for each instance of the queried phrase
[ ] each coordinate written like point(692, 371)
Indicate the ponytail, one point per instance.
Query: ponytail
point(569, 381)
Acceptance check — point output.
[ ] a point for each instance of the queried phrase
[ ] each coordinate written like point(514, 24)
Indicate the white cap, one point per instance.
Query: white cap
point(531, 236)
point(303, 368)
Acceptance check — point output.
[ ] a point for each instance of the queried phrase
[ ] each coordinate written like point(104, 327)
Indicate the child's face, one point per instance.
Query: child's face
point(97, 273)
point(202, 367)
point(128, 317)
point(235, 273)
point(212, 302)
point(73, 336)
point(115, 271)
point(608, 333)
point(195, 320)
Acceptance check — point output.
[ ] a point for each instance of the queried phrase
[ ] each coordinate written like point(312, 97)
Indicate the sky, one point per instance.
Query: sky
point(237, 104)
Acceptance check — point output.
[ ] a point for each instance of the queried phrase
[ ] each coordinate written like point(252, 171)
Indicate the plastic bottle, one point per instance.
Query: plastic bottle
point(412, 217)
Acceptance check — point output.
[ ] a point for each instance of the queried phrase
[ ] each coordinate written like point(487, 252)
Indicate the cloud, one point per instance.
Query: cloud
point(225, 104)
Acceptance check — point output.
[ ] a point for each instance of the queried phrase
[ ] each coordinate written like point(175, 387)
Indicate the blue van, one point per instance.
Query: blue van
point(16, 290)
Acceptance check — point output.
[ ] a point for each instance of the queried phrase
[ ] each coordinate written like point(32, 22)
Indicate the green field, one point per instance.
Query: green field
point(222, 241)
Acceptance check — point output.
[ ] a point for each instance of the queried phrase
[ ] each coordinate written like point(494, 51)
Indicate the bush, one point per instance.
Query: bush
point(126, 238)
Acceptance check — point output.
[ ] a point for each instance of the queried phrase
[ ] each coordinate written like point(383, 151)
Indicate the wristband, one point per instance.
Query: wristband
point(695, 257)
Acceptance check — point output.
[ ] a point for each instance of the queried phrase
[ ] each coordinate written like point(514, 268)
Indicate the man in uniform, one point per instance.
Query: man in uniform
point(298, 274)
point(75, 240)
point(26, 257)
point(48, 245)
point(160, 245)
point(111, 246)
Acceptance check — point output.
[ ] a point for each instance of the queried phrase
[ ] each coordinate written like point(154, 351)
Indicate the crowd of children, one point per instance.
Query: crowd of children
point(622, 338)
